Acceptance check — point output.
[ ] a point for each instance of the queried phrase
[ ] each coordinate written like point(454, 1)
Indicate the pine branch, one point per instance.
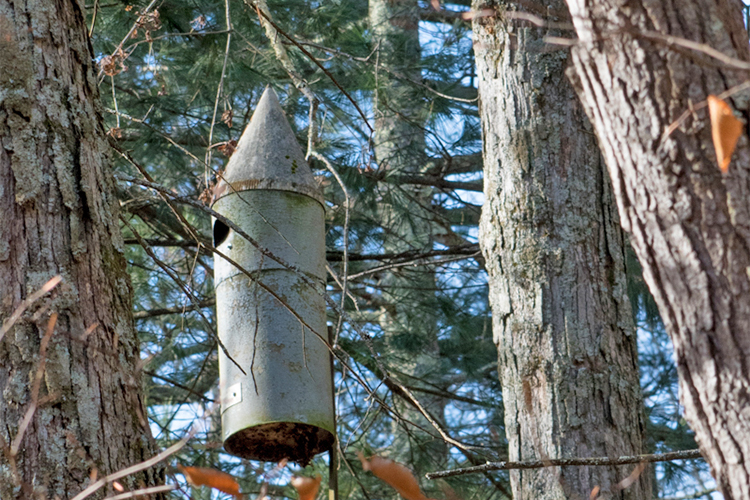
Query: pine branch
point(173, 310)
point(333, 255)
point(690, 496)
point(554, 462)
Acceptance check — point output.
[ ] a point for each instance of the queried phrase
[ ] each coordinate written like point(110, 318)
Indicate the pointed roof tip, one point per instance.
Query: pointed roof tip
point(269, 93)
point(268, 156)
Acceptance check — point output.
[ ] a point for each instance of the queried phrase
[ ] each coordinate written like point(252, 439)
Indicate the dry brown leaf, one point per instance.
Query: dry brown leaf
point(725, 131)
point(227, 116)
point(594, 493)
point(227, 148)
point(307, 487)
point(633, 477)
point(395, 474)
point(202, 476)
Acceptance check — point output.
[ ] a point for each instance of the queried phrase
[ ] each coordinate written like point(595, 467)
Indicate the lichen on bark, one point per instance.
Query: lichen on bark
point(59, 217)
point(688, 222)
point(549, 232)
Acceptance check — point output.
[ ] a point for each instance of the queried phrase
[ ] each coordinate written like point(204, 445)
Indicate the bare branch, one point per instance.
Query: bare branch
point(173, 310)
point(219, 90)
point(143, 492)
point(690, 496)
point(312, 58)
point(16, 445)
point(566, 462)
point(135, 468)
point(345, 256)
point(47, 287)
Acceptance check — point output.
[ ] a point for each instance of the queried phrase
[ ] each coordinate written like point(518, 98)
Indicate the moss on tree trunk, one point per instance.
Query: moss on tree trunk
point(58, 215)
point(554, 253)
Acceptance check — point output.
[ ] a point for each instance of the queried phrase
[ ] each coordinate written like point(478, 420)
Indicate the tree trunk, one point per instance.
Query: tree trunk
point(400, 148)
point(59, 216)
point(689, 223)
point(554, 253)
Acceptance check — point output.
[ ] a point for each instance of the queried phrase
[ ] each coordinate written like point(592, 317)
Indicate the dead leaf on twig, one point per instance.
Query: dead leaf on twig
point(725, 131)
point(307, 487)
point(633, 477)
point(395, 474)
point(216, 479)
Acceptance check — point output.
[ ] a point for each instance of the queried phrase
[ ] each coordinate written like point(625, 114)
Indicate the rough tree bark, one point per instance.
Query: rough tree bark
point(554, 253)
point(690, 225)
point(58, 215)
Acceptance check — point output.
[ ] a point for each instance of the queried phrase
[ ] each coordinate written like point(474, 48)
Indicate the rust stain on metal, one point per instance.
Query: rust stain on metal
point(274, 442)
point(223, 187)
point(276, 347)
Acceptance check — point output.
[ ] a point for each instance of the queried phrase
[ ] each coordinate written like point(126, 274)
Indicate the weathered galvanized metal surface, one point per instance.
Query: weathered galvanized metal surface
point(289, 225)
point(283, 407)
point(268, 156)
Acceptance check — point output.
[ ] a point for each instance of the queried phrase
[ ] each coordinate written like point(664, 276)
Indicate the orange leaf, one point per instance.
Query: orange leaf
point(725, 130)
point(395, 474)
point(307, 487)
point(201, 476)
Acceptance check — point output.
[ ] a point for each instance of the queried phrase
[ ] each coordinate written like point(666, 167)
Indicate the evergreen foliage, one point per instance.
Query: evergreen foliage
point(164, 97)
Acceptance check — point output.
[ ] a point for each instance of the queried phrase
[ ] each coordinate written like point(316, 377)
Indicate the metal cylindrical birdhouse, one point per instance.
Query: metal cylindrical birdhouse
point(282, 405)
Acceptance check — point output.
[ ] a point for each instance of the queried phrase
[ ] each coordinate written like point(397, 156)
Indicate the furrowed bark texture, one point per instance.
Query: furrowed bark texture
point(554, 252)
point(58, 215)
point(690, 225)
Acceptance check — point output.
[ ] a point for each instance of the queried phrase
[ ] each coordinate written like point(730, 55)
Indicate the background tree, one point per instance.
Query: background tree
point(71, 390)
point(555, 258)
point(180, 87)
point(688, 221)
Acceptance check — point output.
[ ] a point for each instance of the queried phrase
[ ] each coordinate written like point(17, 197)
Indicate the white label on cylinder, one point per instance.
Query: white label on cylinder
point(232, 396)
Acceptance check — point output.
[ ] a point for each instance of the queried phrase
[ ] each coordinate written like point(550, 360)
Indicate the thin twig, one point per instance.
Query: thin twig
point(653, 36)
point(703, 48)
point(411, 263)
point(137, 467)
point(563, 462)
point(143, 492)
point(312, 285)
point(272, 32)
point(218, 91)
point(150, 313)
point(147, 125)
point(178, 34)
point(16, 445)
point(345, 257)
point(317, 63)
point(390, 71)
point(695, 107)
point(46, 288)
point(114, 100)
point(185, 288)
point(311, 128)
point(93, 17)
point(179, 385)
point(691, 496)
point(337, 280)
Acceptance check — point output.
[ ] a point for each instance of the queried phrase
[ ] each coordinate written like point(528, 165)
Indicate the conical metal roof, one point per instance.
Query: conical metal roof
point(268, 156)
